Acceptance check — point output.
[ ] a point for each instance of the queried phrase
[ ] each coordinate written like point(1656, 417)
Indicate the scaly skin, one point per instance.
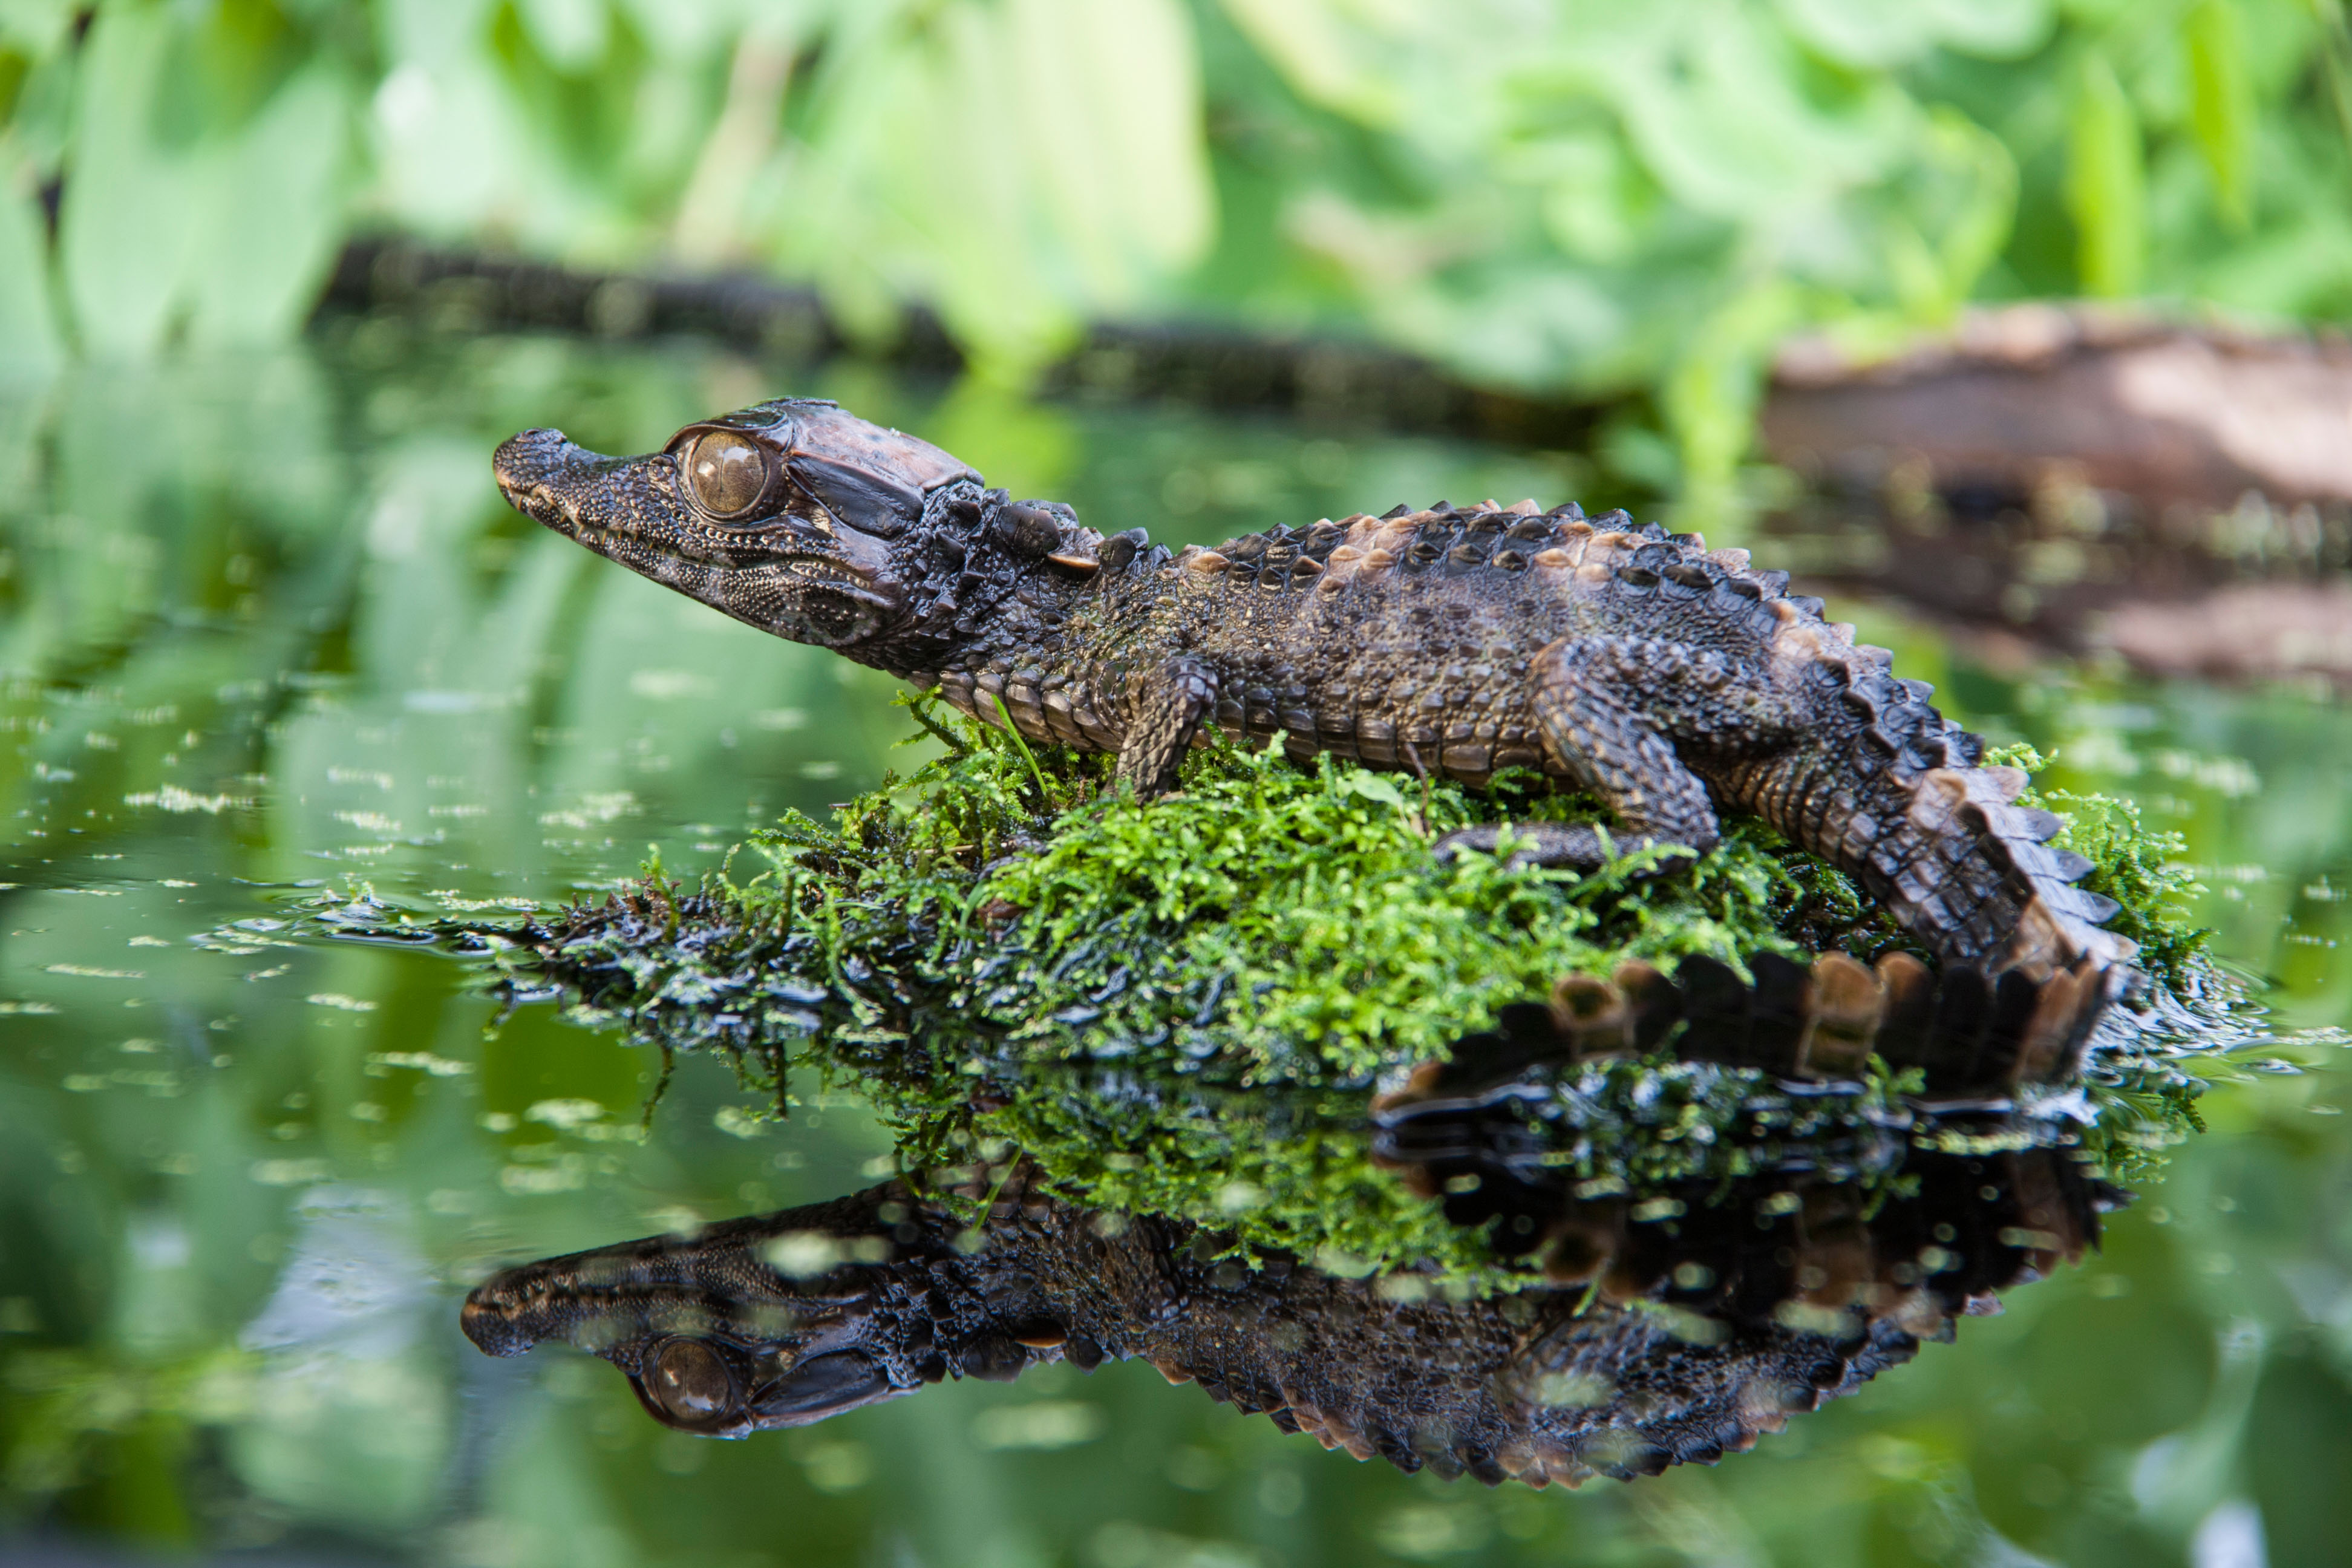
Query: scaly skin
point(1671, 680)
point(1654, 1345)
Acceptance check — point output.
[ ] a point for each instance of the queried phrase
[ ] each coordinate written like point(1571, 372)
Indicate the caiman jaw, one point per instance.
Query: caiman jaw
point(541, 473)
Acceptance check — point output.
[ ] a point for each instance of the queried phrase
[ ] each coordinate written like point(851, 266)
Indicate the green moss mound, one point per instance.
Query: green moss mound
point(1183, 1008)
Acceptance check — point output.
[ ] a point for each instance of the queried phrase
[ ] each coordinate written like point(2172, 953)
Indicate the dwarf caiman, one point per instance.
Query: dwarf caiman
point(1670, 680)
point(1652, 1343)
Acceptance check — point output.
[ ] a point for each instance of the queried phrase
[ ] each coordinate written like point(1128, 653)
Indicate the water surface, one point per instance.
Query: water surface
point(265, 632)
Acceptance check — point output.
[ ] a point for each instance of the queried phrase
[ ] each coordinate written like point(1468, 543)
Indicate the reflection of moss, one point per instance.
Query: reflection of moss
point(1002, 947)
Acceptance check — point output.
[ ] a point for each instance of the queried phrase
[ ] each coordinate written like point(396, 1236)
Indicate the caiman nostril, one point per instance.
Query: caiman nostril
point(527, 458)
point(492, 1331)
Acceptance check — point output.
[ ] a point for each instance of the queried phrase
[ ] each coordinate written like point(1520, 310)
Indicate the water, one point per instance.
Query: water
point(268, 634)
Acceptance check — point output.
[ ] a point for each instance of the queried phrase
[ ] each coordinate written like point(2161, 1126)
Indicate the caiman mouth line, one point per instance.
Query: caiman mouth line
point(553, 508)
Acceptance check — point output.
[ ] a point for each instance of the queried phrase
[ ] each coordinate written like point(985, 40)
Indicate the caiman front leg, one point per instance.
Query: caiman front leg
point(1610, 709)
point(1167, 710)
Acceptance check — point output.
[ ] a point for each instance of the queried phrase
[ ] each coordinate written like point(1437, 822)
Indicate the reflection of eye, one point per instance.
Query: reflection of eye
point(686, 1378)
point(728, 472)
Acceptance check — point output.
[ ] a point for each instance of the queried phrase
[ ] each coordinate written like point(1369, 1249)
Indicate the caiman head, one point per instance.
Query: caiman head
point(792, 516)
point(715, 1331)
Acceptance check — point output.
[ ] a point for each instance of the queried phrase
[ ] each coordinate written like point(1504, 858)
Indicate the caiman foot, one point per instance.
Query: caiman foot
point(1571, 846)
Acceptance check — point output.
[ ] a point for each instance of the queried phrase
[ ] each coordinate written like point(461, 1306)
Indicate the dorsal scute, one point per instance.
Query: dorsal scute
point(1443, 536)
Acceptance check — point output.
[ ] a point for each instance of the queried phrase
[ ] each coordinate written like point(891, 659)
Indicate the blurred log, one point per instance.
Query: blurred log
point(2088, 478)
point(2166, 413)
point(1323, 379)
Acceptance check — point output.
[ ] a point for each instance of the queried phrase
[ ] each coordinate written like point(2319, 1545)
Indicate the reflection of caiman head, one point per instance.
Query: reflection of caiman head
point(1708, 1320)
point(717, 1337)
point(789, 516)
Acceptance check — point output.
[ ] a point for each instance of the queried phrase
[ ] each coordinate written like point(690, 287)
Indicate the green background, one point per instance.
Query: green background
point(265, 627)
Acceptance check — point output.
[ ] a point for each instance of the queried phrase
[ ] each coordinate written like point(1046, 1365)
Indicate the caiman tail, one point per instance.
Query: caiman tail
point(1890, 793)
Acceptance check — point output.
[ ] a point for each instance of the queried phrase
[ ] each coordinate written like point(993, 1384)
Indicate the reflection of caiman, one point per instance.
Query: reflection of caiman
point(1665, 678)
point(1680, 1328)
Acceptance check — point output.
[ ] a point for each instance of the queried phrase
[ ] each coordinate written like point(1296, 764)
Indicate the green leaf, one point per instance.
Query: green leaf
point(1116, 135)
point(2105, 183)
point(2222, 104)
point(130, 210)
point(30, 347)
point(273, 217)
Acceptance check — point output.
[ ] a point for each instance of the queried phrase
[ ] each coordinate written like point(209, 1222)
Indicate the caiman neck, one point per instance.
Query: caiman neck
point(1006, 588)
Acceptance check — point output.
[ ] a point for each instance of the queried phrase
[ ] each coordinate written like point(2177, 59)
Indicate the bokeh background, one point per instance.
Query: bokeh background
point(267, 633)
point(1551, 194)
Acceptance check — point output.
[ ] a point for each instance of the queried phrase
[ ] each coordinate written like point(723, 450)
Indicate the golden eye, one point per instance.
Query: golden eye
point(687, 1379)
point(729, 473)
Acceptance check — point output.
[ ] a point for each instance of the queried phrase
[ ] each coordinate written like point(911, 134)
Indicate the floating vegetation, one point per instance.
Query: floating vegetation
point(1185, 1007)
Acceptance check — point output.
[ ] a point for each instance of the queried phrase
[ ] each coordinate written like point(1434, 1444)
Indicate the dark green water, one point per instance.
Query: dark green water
point(264, 629)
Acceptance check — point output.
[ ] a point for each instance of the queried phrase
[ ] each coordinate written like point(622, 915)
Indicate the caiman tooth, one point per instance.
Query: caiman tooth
point(1847, 1002)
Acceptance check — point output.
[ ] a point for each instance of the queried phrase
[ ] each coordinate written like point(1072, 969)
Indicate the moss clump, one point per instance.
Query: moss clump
point(1269, 923)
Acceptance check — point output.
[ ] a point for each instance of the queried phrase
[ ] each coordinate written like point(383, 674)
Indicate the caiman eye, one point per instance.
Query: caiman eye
point(686, 1378)
point(729, 473)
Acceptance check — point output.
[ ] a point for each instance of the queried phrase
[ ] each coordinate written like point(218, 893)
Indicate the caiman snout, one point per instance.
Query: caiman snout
point(493, 1328)
point(526, 466)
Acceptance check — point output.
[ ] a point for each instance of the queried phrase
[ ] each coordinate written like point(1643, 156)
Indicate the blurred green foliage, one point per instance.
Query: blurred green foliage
point(1580, 195)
